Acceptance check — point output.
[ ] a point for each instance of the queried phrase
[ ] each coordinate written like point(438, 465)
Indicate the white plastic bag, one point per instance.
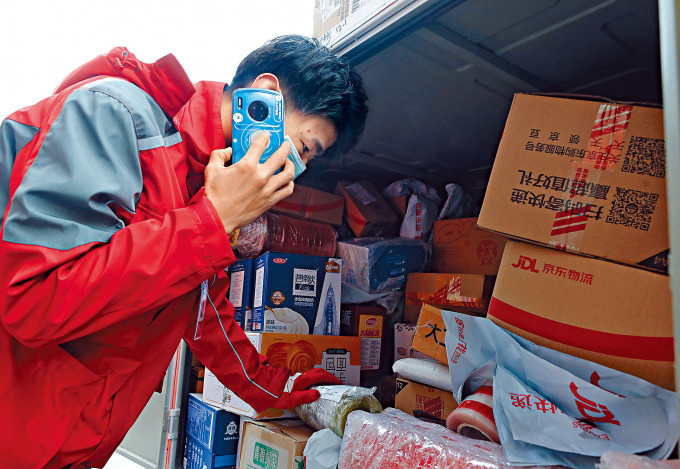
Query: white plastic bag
point(422, 208)
point(553, 408)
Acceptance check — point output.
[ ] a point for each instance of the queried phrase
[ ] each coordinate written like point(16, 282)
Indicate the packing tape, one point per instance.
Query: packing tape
point(474, 416)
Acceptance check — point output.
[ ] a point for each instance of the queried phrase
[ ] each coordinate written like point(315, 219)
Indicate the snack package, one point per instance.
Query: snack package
point(335, 404)
point(271, 232)
point(394, 439)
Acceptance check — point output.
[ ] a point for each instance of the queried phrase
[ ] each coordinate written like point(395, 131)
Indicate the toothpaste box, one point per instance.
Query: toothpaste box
point(241, 291)
point(297, 294)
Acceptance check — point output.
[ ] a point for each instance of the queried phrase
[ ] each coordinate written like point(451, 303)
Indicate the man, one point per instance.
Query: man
point(117, 203)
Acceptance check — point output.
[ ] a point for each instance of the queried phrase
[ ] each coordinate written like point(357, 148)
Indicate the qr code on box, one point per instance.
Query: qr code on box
point(645, 156)
point(632, 208)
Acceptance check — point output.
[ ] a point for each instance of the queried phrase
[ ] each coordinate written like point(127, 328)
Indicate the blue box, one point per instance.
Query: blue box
point(241, 291)
point(214, 429)
point(197, 456)
point(297, 294)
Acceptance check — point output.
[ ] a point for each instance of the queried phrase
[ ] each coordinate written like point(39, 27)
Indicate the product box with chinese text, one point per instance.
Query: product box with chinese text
point(313, 205)
point(340, 356)
point(582, 176)
point(423, 401)
point(366, 322)
point(215, 429)
point(197, 456)
point(380, 264)
point(468, 293)
point(403, 337)
point(297, 294)
point(274, 444)
point(608, 313)
point(368, 213)
point(241, 291)
point(460, 246)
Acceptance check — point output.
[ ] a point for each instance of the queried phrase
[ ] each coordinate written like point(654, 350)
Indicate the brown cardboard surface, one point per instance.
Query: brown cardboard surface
point(460, 246)
point(562, 178)
point(608, 313)
point(273, 444)
point(312, 204)
point(423, 401)
point(399, 204)
point(468, 292)
point(368, 213)
point(367, 323)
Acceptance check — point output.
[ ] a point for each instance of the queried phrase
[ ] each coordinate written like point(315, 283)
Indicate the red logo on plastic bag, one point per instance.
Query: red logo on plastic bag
point(592, 411)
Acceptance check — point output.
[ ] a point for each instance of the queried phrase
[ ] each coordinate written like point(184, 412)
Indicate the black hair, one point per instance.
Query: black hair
point(314, 81)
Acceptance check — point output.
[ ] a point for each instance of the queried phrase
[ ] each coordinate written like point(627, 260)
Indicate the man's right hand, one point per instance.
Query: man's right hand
point(244, 191)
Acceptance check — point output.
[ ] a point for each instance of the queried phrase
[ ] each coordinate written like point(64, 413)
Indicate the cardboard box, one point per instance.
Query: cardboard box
point(297, 294)
point(399, 204)
point(241, 291)
point(340, 356)
point(275, 444)
point(335, 19)
point(428, 337)
point(313, 205)
point(424, 401)
point(403, 337)
point(196, 379)
point(460, 246)
point(368, 213)
point(197, 456)
point(582, 176)
point(468, 293)
point(213, 428)
point(367, 323)
point(376, 264)
point(607, 313)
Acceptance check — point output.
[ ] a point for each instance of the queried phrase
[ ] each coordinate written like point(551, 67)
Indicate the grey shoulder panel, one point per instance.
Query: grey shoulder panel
point(88, 160)
point(13, 137)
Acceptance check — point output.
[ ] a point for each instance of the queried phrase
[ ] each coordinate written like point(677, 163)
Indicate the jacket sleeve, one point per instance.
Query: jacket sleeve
point(70, 265)
point(226, 351)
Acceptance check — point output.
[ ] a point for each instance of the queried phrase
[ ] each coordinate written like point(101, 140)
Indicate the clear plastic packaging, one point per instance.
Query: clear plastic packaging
point(619, 460)
point(380, 264)
point(272, 232)
point(394, 439)
point(335, 404)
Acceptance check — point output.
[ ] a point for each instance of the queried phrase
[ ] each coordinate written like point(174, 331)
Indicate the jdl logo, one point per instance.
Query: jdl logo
point(526, 263)
point(592, 411)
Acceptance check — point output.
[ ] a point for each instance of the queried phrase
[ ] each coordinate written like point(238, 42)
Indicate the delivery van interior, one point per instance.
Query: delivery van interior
point(491, 259)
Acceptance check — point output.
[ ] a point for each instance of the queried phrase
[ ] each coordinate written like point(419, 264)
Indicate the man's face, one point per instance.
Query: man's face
point(311, 135)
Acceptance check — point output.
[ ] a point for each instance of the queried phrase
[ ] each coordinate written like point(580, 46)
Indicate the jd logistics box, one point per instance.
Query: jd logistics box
point(340, 356)
point(582, 176)
point(460, 246)
point(368, 213)
point(467, 293)
point(423, 401)
point(297, 294)
point(213, 428)
point(313, 205)
point(608, 313)
point(368, 323)
point(241, 291)
point(274, 444)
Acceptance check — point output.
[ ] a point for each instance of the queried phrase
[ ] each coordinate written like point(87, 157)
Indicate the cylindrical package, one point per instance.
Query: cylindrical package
point(335, 404)
point(474, 416)
point(271, 232)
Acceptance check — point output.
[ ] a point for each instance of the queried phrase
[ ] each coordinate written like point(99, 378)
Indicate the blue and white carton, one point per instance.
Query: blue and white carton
point(197, 456)
point(297, 294)
point(215, 429)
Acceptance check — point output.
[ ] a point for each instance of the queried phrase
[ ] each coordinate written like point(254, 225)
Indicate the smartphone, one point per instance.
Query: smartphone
point(255, 110)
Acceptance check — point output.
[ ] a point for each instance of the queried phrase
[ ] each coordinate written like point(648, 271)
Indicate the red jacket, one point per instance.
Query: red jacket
point(104, 245)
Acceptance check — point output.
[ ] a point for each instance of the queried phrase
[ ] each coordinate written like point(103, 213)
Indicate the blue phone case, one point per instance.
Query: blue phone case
point(249, 118)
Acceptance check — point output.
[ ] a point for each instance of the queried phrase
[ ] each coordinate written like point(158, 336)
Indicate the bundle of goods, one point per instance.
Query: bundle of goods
point(335, 404)
point(393, 439)
point(271, 232)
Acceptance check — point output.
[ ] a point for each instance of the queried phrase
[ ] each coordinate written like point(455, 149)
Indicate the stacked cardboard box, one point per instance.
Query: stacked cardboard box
point(212, 436)
point(586, 177)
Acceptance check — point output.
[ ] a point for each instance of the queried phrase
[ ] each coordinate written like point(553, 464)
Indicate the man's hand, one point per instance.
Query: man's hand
point(244, 191)
point(300, 394)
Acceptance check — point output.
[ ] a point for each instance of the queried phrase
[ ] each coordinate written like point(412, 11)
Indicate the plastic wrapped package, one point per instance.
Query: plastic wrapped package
point(619, 460)
point(425, 371)
point(394, 440)
point(380, 264)
point(272, 232)
point(335, 404)
point(422, 209)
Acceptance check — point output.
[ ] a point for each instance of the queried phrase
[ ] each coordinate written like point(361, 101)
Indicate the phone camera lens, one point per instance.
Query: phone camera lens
point(258, 111)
